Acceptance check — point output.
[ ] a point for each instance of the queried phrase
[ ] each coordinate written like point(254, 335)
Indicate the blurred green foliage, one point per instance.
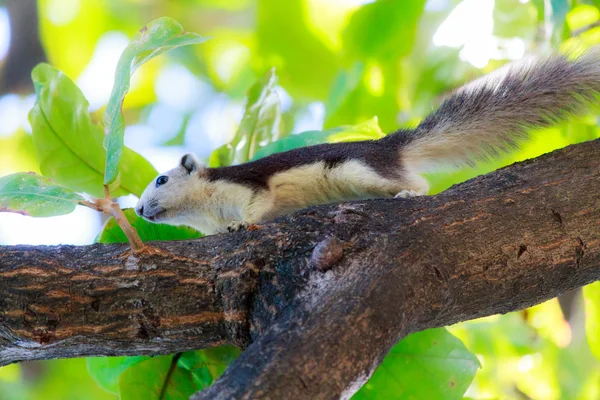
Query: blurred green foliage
point(259, 124)
point(384, 59)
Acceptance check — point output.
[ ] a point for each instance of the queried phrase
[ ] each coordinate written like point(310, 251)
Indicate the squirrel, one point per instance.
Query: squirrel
point(488, 116)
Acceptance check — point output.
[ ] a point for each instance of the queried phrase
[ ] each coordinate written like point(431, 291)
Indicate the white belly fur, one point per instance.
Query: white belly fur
point(313, 184)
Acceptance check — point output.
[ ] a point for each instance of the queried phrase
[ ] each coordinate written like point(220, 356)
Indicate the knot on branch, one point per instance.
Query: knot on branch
point(327, 253)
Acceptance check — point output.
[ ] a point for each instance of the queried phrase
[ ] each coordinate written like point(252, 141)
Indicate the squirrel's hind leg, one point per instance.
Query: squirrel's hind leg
point(414, 185)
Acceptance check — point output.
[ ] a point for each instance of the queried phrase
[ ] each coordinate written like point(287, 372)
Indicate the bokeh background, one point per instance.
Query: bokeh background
point(339, 62)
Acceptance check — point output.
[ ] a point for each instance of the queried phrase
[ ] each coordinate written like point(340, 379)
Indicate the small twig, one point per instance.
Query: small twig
point(586, 28)
point(163, 390)
point(106, 192)
point(90, 204)
point(134, 239)
point(111, 208)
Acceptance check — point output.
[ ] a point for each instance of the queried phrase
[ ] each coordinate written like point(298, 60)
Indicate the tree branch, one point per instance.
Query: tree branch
point(320, 296)
point(586, 28)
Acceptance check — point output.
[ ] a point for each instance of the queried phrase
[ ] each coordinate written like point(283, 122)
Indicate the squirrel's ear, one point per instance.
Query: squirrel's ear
point(190, 164)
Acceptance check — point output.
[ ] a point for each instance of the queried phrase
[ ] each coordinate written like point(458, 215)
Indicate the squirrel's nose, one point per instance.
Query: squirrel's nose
point(139, 210)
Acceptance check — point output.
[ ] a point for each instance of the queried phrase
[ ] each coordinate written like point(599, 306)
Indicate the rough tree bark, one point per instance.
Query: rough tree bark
point(319, 297)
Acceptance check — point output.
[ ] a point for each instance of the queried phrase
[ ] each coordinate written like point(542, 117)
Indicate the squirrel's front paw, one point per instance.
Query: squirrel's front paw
point(236, 226)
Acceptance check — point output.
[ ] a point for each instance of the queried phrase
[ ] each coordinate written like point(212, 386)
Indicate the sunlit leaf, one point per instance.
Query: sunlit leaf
point(112, 233)
point(550, 323)
point(287, 41)
point(72, 53)
point(591, 295)
point(368, 130)
point(511, 21)
point(581, 16)
point(207, 365)
point(259, 125)
point(517, 359)
point(35, 195)
point(17, 154)
point(303, 139)
point(378, 37)
point(64, 379)
point(430, 365)
point(498, 336)
point(239, 48)
point(366, 97)
point(345, 83)
point(151, 378)
point(106, 371)
point(157, 37)
point(384, 29)
point(69, 146)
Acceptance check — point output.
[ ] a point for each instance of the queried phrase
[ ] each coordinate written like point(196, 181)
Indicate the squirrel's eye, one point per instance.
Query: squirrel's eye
point(161, 180)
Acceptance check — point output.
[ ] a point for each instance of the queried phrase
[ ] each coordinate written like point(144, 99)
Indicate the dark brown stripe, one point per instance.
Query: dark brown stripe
point(382, 155)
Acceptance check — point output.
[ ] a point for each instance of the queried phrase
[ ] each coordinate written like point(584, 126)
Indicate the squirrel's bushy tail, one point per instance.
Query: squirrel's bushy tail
point(494, 113)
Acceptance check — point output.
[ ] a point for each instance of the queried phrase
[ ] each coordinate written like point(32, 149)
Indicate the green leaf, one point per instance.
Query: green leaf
point(208, 365)
point(368, 130)
point(34, 195)
point(259, 125)
point(384, 29)
point(345, 83)
point(112, 233)
point(195, 370)
point(430, 365)
point(511, 21)
point(287, 40)
point(381, 67)
point(581, 16)
point(146, 380)
point(591, 296)
point(69, 146)
point(303, 139)
point(106, 371)
point(17, 154)
point(157, 37)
